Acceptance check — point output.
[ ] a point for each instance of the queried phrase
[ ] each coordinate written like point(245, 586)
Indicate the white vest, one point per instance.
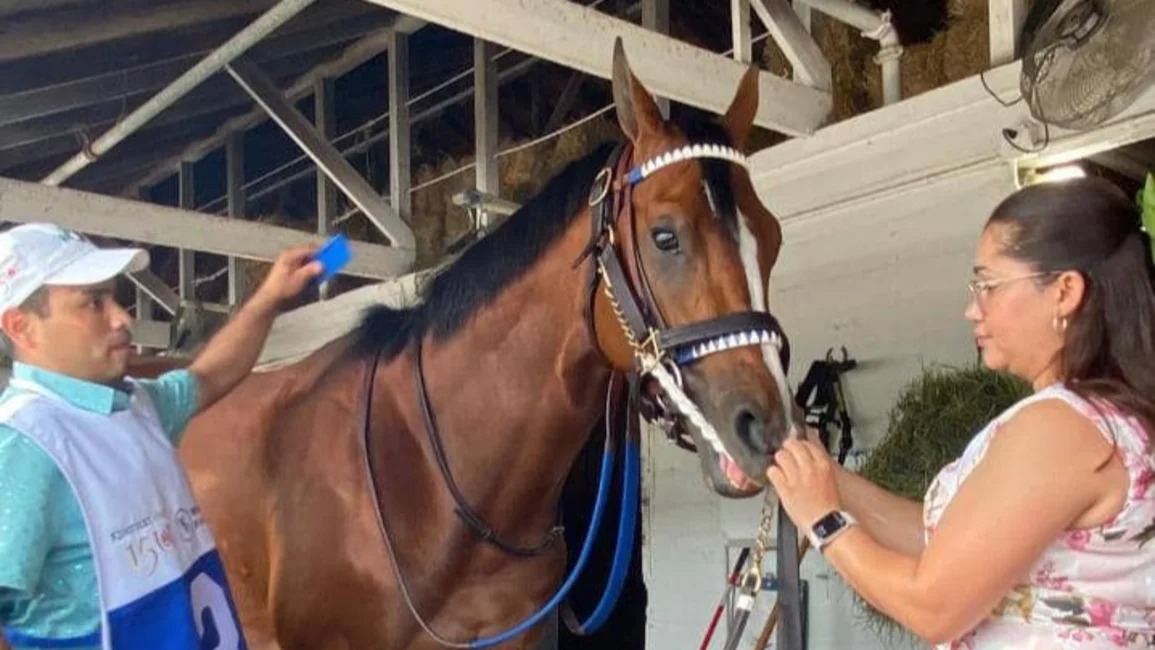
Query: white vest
point(160, 578)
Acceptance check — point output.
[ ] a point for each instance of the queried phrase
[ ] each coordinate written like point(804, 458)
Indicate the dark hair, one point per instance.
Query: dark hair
point(1090, 226)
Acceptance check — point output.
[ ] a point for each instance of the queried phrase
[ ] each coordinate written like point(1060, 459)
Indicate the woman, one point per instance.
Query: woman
point(1037, 536)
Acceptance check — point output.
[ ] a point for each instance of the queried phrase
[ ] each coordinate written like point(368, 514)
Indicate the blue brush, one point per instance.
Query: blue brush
point(334, 255)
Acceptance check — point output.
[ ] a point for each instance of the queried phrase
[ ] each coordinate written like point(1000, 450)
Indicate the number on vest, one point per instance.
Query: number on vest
point(208, 595)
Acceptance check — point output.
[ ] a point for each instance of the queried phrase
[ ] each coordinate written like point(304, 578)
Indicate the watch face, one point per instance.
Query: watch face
point(829, 524)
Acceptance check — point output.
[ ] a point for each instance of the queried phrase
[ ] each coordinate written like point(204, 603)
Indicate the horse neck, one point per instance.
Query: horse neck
point(516, 393)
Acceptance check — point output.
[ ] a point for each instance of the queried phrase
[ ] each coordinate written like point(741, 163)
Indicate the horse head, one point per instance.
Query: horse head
point(684, 250)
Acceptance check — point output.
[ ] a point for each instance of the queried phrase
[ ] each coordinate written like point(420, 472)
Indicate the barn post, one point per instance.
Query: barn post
point(485, 122)
point(326, 122)
point(235, 197)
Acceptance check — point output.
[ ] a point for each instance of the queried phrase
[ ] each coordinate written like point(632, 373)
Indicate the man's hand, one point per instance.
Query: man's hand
point(291, 273)
point(231, 354)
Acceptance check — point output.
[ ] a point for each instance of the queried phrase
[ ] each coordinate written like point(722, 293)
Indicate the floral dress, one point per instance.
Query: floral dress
point(1091, 588)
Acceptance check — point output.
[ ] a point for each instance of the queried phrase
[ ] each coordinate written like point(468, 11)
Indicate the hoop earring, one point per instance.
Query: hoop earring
point(1059, 324)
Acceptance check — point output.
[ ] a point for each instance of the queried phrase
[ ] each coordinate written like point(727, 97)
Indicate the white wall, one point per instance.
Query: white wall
point(880, 218)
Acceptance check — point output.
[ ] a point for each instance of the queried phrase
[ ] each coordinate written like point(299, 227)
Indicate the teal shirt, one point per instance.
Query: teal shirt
point(47, 579)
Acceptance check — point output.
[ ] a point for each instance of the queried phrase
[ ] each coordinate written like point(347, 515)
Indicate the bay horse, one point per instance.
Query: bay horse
point(431, 444)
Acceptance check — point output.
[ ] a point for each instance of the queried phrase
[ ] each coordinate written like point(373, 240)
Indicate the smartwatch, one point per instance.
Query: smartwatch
point(829, 527)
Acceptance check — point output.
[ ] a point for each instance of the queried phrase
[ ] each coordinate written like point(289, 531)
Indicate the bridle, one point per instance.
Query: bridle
point(660, 351)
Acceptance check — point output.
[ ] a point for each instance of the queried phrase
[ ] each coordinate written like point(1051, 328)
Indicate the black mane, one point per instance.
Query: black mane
point(487, 267)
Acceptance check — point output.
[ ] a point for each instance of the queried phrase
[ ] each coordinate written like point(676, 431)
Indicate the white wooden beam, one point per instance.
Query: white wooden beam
point(143, 304)
point(324, 154)
point(154, 289)
point(803, 11)
point(740, 30)
point(656, 17)
point(485, 123)
point(1005, 18)
point(235, 199)
point(793, 38)
point(870, 155)
point(326, 119)
point(399, 132)
point(582, 38)
point(153, 334)
point(506, 75)
point(98, 214)
point(74, 28)
point(268, 22)
point(282, 50)
point(186, 259)
point(353, 56)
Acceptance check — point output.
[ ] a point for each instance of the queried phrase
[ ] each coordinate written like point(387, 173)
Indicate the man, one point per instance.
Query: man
point(101, 542)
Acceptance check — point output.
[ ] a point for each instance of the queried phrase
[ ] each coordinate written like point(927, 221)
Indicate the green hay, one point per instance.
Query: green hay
point(930, 424)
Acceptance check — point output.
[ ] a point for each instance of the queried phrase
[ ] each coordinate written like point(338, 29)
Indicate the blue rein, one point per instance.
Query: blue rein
point(625, 546)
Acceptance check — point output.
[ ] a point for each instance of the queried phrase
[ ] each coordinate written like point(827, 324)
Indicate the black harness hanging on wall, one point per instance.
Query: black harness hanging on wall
point(821, 397)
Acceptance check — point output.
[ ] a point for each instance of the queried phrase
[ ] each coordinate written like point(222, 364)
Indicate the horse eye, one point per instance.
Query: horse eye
point(665, 239)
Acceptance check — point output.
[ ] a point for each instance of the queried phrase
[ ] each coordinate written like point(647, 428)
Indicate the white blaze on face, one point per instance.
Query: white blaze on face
point(760, 301)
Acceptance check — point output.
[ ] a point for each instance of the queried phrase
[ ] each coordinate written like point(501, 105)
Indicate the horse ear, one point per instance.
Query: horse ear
point(637, 111)
point(740, 116)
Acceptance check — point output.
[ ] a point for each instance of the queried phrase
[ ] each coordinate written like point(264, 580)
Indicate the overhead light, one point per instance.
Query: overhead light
point(1058, 174)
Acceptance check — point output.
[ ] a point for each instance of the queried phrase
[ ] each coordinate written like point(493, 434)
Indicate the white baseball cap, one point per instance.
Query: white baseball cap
point(37, 255)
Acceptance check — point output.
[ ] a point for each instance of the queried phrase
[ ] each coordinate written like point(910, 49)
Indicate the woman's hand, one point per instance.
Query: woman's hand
point(803, 475)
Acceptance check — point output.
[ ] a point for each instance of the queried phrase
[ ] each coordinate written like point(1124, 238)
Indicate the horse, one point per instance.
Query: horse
point(398, 488)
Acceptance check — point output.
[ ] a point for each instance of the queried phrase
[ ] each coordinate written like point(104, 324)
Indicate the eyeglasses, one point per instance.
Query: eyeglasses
point(980, 290)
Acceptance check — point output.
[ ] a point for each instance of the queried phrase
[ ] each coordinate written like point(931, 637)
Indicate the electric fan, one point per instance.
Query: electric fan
point(1084, 61)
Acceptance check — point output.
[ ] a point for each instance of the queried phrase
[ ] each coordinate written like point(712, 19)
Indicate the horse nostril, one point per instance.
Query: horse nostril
point(751, 430)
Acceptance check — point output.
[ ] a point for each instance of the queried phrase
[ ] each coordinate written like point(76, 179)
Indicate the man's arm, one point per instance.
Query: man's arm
point(28, 480)
point(232, 352)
